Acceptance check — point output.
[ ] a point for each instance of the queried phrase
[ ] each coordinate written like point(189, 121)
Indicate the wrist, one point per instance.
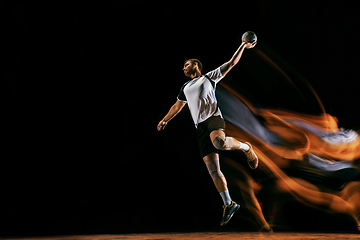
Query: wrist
point(243, 45)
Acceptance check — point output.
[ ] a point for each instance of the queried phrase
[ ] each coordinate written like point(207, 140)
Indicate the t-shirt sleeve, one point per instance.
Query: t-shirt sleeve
point(181, 96)
point(215, 75)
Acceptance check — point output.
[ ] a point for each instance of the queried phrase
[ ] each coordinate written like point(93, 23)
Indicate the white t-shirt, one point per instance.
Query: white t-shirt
point(199, 93)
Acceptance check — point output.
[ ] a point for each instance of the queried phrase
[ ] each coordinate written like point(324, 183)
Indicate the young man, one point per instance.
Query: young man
point(199, 93)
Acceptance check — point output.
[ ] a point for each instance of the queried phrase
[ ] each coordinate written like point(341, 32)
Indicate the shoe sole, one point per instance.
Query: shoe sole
point(224, 223)
point(250, 165)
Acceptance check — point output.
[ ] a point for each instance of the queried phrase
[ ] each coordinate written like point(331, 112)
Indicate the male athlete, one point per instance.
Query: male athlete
point(199, 93)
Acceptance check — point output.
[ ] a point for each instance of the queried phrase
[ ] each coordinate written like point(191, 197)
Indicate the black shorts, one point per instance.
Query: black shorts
point(203, 134)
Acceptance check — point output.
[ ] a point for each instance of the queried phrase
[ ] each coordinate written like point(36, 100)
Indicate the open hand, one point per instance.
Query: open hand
point(250, 45)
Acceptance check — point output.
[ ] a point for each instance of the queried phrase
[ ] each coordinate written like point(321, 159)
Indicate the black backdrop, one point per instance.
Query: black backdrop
point(85, 84)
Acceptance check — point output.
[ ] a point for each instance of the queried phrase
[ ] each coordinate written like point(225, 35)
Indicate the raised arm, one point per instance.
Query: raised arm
point(226, 67)
point(174, 110)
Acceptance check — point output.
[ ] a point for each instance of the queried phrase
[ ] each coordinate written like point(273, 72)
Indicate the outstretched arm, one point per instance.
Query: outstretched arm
point(226, 67)
point(174, 110)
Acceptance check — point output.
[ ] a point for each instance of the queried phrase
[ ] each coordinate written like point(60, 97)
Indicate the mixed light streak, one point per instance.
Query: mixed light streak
point(304, 156)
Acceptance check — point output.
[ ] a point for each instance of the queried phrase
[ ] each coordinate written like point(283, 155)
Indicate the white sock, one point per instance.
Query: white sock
point(244, 146)
point(226, 197)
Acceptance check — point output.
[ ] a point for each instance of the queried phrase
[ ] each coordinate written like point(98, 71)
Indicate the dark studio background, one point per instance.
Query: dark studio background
point(85, 83)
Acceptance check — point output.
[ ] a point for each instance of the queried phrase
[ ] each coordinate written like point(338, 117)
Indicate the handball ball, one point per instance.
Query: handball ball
point(249, 37)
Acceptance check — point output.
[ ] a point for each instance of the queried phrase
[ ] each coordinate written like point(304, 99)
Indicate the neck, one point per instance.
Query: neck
point(195, 74)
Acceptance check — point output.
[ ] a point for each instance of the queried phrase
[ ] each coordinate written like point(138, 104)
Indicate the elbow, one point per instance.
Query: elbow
point(232, 63)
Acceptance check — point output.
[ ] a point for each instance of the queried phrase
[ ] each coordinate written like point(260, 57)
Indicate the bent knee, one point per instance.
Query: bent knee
point(219, 142)
point(222, 142)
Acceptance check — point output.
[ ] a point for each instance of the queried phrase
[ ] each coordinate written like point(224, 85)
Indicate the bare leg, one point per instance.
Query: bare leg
point(236, 144)
point(218, 177)
point(220, 141)
point(230, 207)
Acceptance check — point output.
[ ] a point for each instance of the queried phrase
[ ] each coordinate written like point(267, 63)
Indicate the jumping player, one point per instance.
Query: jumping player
point(199, 93)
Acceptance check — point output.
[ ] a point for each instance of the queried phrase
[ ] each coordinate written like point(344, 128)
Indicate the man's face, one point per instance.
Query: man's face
point(188, 68)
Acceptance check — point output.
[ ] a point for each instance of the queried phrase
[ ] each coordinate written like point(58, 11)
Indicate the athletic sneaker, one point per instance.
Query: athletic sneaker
point(229, 211)
point(252, 159)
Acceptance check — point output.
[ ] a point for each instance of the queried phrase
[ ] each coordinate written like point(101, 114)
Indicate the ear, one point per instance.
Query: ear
point(196, 65)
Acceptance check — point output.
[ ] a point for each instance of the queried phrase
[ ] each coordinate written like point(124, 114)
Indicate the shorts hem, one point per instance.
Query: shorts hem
point(203, 132)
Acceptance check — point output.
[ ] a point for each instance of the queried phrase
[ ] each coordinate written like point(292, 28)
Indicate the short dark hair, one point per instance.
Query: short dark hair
point(193, 60)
